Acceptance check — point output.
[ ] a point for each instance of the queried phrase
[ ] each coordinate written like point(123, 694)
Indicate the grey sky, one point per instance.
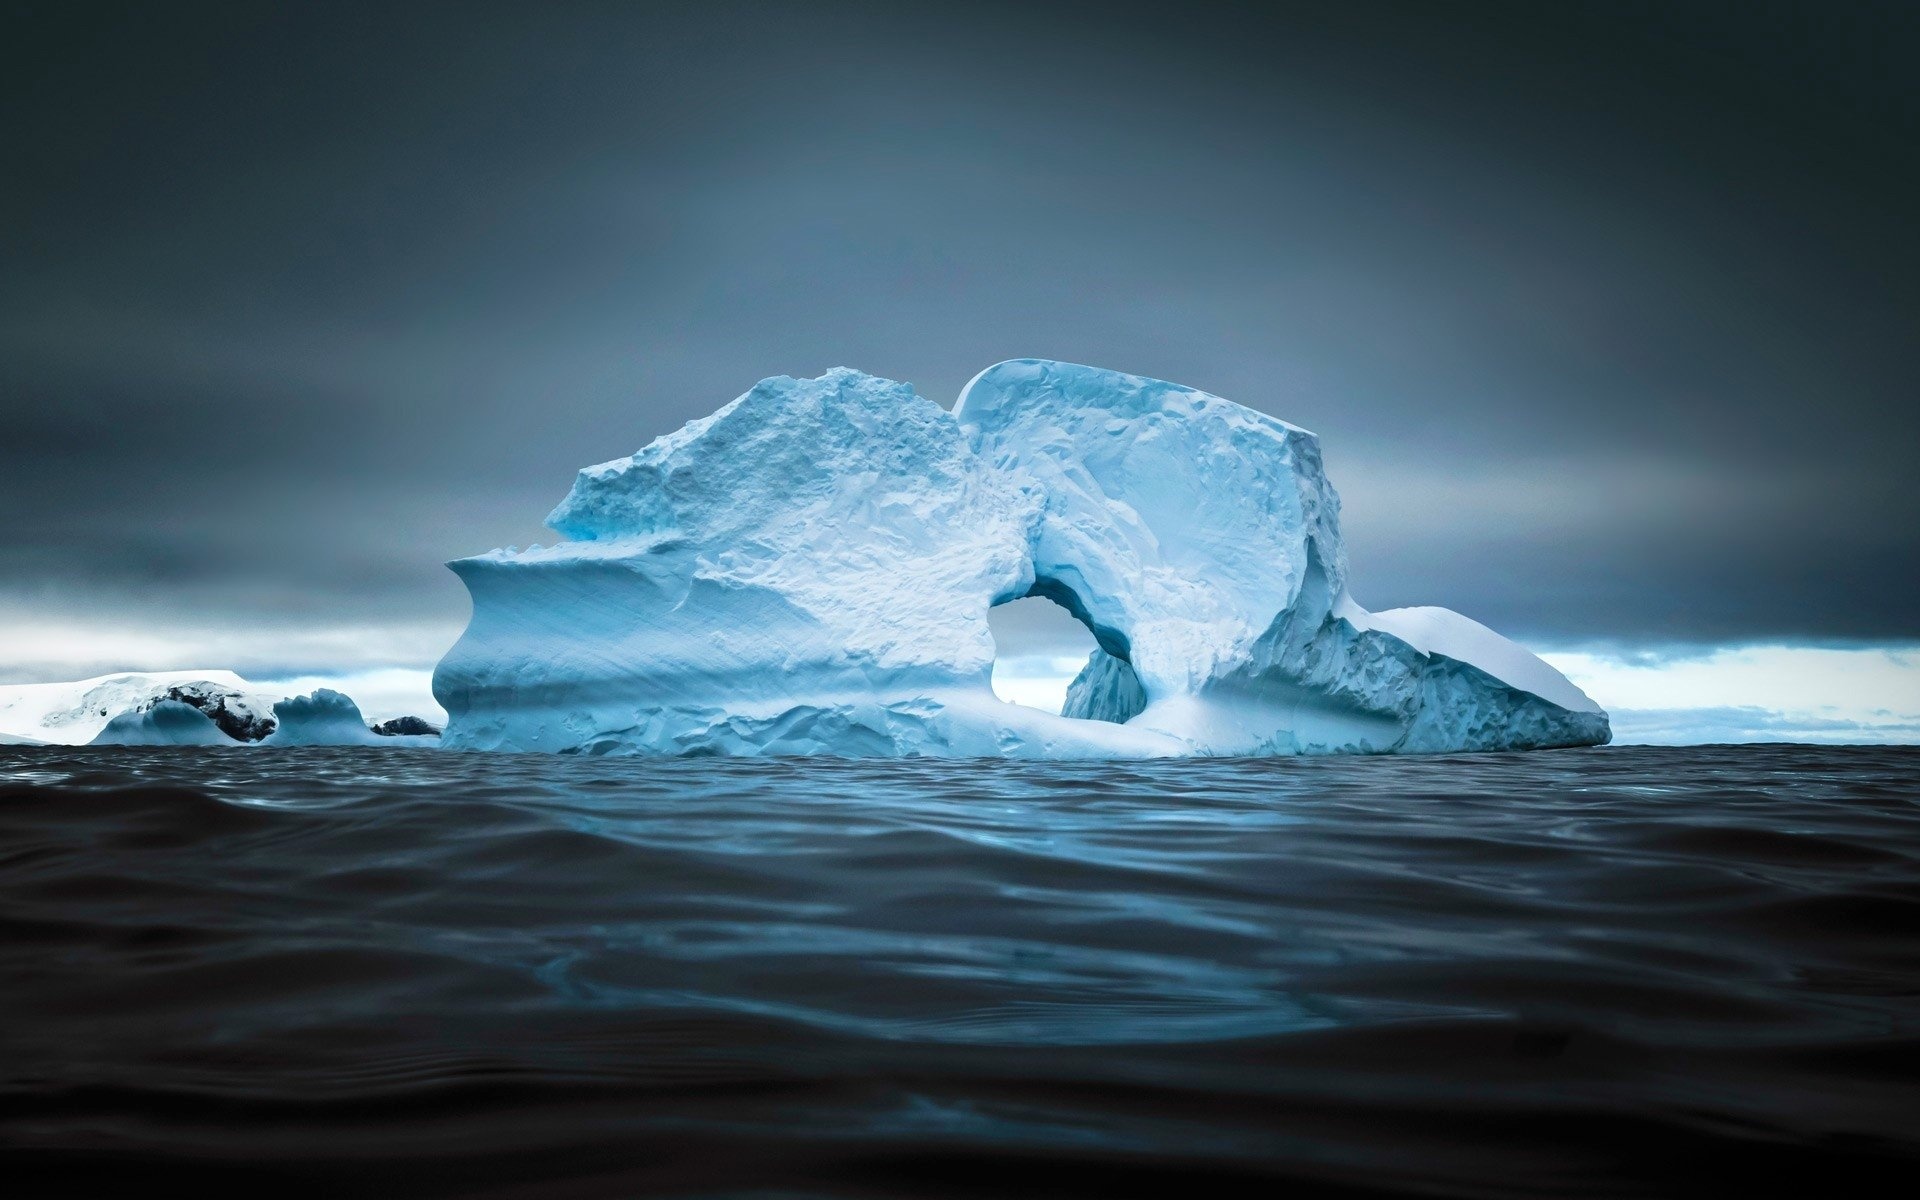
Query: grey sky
point(1606, 314)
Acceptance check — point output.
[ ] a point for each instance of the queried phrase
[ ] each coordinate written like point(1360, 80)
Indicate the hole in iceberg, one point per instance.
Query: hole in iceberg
point(1038, 648)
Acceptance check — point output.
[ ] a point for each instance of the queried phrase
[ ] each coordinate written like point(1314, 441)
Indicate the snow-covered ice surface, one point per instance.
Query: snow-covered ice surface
point(809, 570)
point(166, 723)
point(74, 713)
point(141, 709)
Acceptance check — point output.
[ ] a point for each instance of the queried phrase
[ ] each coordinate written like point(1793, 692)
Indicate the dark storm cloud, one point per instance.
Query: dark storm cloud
point(1606, 315)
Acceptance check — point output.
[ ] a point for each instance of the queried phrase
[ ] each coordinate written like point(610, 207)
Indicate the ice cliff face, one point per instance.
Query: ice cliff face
point(1106, 689)
point(809, 571)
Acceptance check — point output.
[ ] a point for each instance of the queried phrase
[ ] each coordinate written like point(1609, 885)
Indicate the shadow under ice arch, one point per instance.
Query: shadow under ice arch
point(1044, 658)
point(809, 570)
point(1106, 688)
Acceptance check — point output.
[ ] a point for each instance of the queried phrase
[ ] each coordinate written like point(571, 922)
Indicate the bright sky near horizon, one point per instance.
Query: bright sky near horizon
point(1726, 694)
point(1737, 693)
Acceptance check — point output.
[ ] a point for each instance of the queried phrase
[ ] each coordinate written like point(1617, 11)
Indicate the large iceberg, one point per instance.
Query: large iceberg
point(809, 570)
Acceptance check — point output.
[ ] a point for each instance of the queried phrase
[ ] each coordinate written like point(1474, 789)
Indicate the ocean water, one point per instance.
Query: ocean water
point(1622, 971)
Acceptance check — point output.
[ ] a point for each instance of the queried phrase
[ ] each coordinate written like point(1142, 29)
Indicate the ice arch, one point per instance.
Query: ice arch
point(1046, 658)
point(1038, 647)
point(809, 570)
point(1171, 518)
point(1200, 540)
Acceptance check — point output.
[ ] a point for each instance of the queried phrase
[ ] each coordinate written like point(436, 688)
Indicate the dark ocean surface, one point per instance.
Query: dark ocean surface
point(1623, 971)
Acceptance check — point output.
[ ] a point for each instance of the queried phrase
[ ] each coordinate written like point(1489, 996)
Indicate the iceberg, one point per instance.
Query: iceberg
point(166, 723)
point(809, 571)
point(329, 718)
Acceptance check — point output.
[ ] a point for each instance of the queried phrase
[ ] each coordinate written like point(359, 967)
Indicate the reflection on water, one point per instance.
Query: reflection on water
point(1616, 970)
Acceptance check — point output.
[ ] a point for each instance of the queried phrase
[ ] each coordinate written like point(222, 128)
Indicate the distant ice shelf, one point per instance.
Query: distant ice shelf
point(177, 708)
point(809, 571)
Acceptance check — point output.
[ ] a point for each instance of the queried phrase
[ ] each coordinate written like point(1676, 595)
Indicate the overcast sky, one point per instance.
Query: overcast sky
point(1606, 313)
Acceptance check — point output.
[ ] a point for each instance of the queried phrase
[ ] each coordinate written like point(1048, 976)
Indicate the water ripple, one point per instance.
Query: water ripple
point(446, 974)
